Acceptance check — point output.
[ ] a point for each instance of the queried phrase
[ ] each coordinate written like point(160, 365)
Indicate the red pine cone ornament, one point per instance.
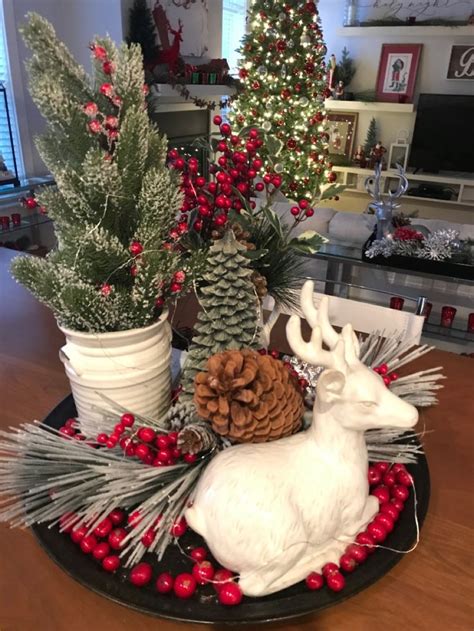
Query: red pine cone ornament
point(248, 397)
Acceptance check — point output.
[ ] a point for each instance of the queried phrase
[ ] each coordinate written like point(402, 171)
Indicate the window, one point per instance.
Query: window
point(5, 146)
point(233, 29)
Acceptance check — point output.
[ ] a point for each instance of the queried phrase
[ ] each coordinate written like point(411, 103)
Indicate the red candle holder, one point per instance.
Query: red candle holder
point(397, 303)
point(4, 222)
point(470, 323)
point(447, 316)
point(16, 219)
point(427, 310)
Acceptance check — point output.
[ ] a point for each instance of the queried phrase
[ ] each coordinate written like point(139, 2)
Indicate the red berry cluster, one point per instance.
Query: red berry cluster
point(237, 176)
point(146, 444)
point(70, 430)
point(387, 377)
point(277, 355)
point(107, 539)
point(391, 484)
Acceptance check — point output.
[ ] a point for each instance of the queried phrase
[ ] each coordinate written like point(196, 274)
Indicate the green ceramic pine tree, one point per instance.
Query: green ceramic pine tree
point(371, 139)
point(229, 316)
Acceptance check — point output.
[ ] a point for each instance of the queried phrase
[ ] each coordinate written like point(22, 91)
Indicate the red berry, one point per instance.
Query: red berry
point(146, 434)
point(335, 581)
point(383, 467)
point(67, 431)
point(116, 537)
point(230, 594)
point(141, 574)
point(164, 455)
point(398, 466)
point(184, 585)
point(179, 527)
point(374, 476)
point(225, 129)
point(119, 429)
point(111, 563)
point(399, 505)
point(389, 509)
point(347, 563)
point(382, 493)
point(387, 381)
point(111, 442)
point(103, 528)
point(117, 516)
point(329, 568)
point(389, 478)
point(309, 212)
point(385, 520)
point(148, 537)
point(172, 438)
point(101, 550)
point(88, 544)
point(303, 204)
point(404, 478)
point(71, 422)
point(142, 451)
point(259, 186)
point(366, 541)
point(377, 531)
point(203, 572)
point(314, 581)
point(127, 420)
point(77, 534)
point(400, 492)
point(136, 248)
point(221, 577)
point(295, 211)
point(358, 553)
point(217, 120)
point(198, 554)
point(134, 519)
point(190, 458)
point(164, 583)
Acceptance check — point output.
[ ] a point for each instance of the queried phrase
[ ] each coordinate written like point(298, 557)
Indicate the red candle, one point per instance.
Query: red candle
point(427, 310)
point(16, 219)
point(397, 303)
point(5, 222)
point(447, 316)
point(470, 323)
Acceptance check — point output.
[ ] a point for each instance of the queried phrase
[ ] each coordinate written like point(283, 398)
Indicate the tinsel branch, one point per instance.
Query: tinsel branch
point(383, 445)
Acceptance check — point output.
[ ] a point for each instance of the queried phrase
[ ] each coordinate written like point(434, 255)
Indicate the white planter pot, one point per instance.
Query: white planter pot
point(132, 368)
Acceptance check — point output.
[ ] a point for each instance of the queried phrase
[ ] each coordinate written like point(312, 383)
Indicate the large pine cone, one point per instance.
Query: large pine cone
point(248, 397)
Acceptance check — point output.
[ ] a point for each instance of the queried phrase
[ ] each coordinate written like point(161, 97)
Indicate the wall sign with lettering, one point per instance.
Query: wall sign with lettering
point(461, 64)
point(415, 10)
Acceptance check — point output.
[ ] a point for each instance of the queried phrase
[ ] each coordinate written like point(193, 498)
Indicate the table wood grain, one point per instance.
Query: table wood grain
point(431, 589)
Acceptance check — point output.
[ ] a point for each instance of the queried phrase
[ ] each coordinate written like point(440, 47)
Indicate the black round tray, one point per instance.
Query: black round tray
point(203, 607)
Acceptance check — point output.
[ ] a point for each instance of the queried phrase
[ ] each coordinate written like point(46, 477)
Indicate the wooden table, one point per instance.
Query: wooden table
point(431, 588)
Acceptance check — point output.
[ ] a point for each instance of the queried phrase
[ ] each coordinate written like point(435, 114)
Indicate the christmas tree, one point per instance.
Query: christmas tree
point(283, 73)
point(345, 70)
point(229, 315)
point(142, 29)
point(371, 139)
point(116, 201)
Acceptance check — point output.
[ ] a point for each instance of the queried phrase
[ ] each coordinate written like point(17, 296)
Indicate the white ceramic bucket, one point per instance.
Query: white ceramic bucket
point(132, 368)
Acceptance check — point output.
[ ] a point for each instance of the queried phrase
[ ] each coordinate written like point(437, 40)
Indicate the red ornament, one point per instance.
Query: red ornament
point(94, 126)
point(111, 122)
point(184, 585)
point(295, 211)
point(164, 583)
point(291, 144)
point(105, 290)
point(98, 52)
point(175, 288)
point(107, 89)
point(217, 120)
point(90, 109)
point(225, 129)
point(281, 45)
point(332, 177)
point(133, 271)
point(285, 94)
point(141, 574)
point(230, 594)
point(111, 563)
point(309, 212)
point(108, 67)
point(314, 581)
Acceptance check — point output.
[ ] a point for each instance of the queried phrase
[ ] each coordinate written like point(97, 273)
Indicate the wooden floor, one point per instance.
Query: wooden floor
point(431, 589)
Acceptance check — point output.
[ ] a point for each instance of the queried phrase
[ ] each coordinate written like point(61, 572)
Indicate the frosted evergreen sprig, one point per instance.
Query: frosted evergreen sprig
point(440, 245)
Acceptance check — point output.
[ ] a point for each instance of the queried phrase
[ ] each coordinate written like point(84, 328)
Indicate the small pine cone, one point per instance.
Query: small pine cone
point(399, 220)
point(260, 283)
point(248, 397)
point(196, 437)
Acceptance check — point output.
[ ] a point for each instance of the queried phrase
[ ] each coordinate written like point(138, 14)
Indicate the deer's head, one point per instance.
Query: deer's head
point(354, 394)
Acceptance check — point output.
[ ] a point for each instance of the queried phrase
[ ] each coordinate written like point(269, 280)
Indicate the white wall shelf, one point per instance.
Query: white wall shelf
point(464, 185)
point(408, 31)
point(333, 105)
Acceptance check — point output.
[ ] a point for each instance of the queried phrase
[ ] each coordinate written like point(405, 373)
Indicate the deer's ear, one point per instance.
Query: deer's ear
point(330, 385)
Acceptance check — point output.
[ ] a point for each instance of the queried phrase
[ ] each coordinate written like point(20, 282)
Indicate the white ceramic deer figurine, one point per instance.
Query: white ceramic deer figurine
point(274, 512)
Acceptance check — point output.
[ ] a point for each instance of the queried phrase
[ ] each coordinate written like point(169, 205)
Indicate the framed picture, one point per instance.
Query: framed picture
point(398, 68)
point(461, 63)
point(398, 155)
point(342, 130)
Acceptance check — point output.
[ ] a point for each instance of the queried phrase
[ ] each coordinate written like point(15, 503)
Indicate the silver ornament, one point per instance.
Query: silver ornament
point(305, 40)
point(291, 43)
point(283, 71)
point(262, 70)
point(282, 16)
point(267, 126)
point(303, 101)
point(278, 168)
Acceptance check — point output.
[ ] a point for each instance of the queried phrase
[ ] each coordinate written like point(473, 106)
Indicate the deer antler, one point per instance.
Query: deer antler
point(318, 316)
point(312, 351)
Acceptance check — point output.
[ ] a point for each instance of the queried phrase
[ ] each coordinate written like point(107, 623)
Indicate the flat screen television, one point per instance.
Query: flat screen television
point(443, 139)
